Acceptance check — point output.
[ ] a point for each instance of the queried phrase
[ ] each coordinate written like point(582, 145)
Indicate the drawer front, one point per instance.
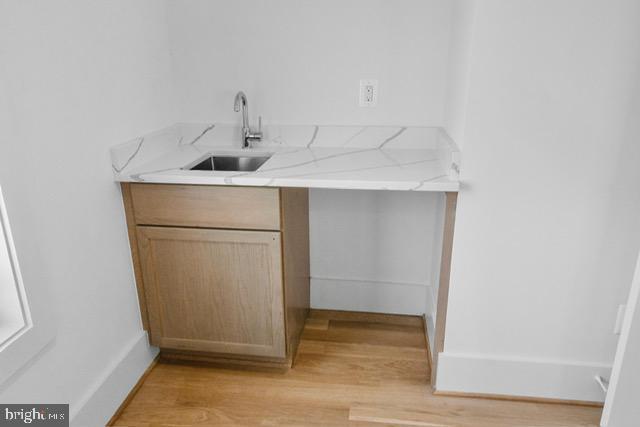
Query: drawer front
point(206, 206)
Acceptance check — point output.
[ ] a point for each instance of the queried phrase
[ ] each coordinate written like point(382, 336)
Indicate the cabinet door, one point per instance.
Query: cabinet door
point(216, 291)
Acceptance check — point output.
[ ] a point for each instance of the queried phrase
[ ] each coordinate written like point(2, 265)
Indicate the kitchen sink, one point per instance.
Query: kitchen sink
point(228, 162)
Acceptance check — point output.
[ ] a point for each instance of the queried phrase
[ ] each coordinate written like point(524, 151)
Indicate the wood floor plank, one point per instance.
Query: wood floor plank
point(360, 350)
point(350, 371)
point(366, 317)
point(318, 324)
point(394, 416)
point(368, 333)
point(437, 415)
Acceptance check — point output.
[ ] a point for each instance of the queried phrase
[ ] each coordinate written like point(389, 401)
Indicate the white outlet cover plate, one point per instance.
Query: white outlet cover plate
point(368, 93)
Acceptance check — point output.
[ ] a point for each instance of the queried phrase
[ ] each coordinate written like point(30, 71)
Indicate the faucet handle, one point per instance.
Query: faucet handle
point(253, 135)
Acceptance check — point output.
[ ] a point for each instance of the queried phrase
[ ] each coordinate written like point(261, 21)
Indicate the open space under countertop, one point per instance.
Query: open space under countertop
point(341, 157)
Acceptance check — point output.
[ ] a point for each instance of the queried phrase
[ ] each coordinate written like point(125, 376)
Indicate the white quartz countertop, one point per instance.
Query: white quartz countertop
point(341, 157)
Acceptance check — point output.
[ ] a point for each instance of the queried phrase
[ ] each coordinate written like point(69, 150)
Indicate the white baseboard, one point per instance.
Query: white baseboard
point(115, 383)
point(520, 377)
point(367, 295)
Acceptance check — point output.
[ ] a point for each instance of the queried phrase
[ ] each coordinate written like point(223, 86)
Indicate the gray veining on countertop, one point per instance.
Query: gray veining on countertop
point(349, 157)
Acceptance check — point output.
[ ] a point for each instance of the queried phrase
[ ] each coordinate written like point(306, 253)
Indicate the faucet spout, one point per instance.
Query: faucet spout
point(241, 103)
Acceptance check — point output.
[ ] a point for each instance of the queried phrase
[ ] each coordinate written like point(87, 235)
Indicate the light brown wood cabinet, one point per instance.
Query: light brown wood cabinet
point(222, 272)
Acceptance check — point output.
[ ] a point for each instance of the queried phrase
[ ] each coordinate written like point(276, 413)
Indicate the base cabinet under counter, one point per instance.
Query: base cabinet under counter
point(222, 272)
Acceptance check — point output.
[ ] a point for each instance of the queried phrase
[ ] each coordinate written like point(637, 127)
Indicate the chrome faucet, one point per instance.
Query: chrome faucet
point(247, 134)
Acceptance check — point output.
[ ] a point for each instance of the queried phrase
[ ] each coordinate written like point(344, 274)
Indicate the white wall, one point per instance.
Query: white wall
point(458, 71)
point(621, 406)
point(12, 319)
point(77, 76)
point(300, 61)
point(375, 250)
point(547, 226)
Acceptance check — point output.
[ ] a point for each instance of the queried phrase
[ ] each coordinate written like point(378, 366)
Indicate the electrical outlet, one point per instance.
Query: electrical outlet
point(368, 93)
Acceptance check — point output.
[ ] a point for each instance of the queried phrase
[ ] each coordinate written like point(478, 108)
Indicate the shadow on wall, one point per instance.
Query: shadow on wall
point(375, 251)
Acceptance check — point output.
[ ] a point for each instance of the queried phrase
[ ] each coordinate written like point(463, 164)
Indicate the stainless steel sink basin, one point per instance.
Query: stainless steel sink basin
point(229, 162)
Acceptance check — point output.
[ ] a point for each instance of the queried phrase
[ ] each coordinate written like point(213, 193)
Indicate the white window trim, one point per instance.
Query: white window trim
point(39, 328)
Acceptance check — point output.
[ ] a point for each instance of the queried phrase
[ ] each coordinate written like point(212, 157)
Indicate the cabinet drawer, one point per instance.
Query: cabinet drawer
point(206, 206)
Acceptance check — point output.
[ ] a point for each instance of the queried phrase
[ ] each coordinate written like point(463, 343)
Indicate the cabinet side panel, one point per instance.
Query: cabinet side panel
point(135, 257)
point(445, 273)
point(295, 249)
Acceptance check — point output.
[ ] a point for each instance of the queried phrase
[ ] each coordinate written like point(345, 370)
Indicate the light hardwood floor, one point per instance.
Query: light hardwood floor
point(351, 370)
